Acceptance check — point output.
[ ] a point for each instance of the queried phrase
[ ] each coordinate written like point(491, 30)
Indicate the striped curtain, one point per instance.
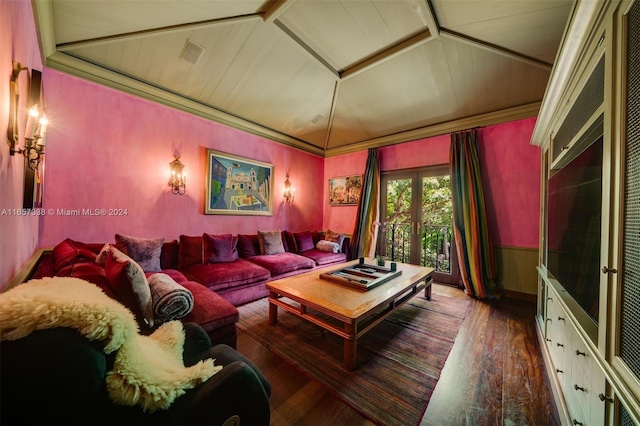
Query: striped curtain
point(365, 234)
point(476, 256)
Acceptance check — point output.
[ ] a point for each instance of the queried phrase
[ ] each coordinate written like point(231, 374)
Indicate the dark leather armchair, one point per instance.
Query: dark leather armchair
point(57, 376)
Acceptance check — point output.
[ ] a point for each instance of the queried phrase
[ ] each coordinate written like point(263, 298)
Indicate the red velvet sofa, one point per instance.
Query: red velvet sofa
point(217, 286)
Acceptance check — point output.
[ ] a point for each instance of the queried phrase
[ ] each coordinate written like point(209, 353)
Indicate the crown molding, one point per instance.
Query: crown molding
point(482, 120)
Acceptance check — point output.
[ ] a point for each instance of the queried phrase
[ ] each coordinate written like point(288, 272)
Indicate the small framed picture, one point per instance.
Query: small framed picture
point(345, 191)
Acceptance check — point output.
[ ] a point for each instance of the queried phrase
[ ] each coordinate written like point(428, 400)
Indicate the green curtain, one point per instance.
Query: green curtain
point(365, 234)
point(476, 257)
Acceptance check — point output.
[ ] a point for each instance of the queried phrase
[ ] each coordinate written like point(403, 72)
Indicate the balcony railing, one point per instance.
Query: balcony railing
point(435, 244)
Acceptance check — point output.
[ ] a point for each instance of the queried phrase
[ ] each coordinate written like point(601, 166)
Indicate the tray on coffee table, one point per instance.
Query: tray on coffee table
point(362, 275)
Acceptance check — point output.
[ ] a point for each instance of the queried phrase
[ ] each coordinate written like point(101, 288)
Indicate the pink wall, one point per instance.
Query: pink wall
point(341, 218)
point(511, 172)
point(110, 150)
point(510, 169)
point(18, 42)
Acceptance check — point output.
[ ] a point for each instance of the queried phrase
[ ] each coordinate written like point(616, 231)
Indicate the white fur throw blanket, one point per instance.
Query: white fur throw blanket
point(148, 370)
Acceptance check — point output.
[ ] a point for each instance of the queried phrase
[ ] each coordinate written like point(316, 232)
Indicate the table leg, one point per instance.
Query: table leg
point(427, 289)
point(273, 309)
point(350, 347)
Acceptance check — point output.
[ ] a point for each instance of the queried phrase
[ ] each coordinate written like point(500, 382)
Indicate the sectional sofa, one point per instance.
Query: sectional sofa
point(219, 272)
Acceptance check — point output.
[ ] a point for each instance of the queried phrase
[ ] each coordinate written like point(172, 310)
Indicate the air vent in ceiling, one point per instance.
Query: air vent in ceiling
point(192, 52)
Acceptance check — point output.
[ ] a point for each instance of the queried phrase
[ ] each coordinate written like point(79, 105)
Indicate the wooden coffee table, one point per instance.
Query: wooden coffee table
point(347, 311)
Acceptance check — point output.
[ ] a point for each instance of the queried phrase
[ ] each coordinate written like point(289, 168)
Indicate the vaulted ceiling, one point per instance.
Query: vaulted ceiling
point(326, 76)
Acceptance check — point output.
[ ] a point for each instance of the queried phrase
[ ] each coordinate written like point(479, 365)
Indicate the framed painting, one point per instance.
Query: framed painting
point(345, 191)
point(237, 185)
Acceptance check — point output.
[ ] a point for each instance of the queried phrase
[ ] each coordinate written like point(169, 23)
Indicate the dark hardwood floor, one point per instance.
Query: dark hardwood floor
point(494, 375)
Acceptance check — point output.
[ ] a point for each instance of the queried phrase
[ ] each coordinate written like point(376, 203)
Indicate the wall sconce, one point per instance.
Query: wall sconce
point(178, 180)
point(36, 128)
point(289, 191)
point(34, 140)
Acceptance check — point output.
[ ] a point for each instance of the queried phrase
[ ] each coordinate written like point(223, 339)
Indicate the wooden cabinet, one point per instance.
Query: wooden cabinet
point(572, 362)
point(592, 350)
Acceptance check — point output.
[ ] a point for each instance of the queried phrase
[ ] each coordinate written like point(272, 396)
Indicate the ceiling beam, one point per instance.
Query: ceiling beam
point(312, 53)
point(432, 20)
point(332, 114)
point(387, 54)
point(277, 9)
point(63, 47)
point(495, 49)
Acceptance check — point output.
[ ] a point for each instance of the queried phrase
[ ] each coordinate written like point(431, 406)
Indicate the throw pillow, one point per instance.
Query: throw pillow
point(270, 242)
point(328, 246)
point(145, 251)
point(217, 248)
point(248, 245)
point(128, 282)
point(334, 237)
point(190, 251)
point(304, 240)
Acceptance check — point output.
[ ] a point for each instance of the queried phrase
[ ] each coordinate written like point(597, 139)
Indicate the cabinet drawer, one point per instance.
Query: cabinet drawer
point(579, 352)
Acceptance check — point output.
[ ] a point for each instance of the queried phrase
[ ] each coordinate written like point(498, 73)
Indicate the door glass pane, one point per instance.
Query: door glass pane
point(436, 223)
point(397, 223)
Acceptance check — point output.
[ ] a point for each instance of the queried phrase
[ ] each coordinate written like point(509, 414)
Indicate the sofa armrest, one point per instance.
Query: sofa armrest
point(196, 341)
point(234, 391)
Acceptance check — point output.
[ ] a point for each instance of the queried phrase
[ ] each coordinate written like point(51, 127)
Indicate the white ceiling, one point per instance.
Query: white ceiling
point(327, 76)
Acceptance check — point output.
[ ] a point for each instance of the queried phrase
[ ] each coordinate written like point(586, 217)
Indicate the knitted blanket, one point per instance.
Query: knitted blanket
point(148, 370)
point(170, 300)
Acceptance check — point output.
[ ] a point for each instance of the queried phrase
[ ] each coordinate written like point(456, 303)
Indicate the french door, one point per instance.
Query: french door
point(417, 220)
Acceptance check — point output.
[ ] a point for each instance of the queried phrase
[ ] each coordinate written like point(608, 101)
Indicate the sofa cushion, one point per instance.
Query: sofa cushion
point(145, 251)
point(304, 241)
point(324, 258)
point(270, 242)
point(169, 255)
point(227, 274)
point(282, 263)
point(217, 248)
point(69, 252)
point(248, 245)
point(211, 311)
point(127, 280)
point(175, 275)
point(190, 251)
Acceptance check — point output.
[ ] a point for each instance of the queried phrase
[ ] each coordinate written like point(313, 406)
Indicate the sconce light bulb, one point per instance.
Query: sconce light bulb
point(43, 120)
point(33, 111)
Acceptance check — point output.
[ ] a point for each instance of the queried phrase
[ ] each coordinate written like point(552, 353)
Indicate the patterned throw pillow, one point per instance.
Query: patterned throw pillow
point(328, 246)
point(334, 237)
point(270, 242)
point(145, 251)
